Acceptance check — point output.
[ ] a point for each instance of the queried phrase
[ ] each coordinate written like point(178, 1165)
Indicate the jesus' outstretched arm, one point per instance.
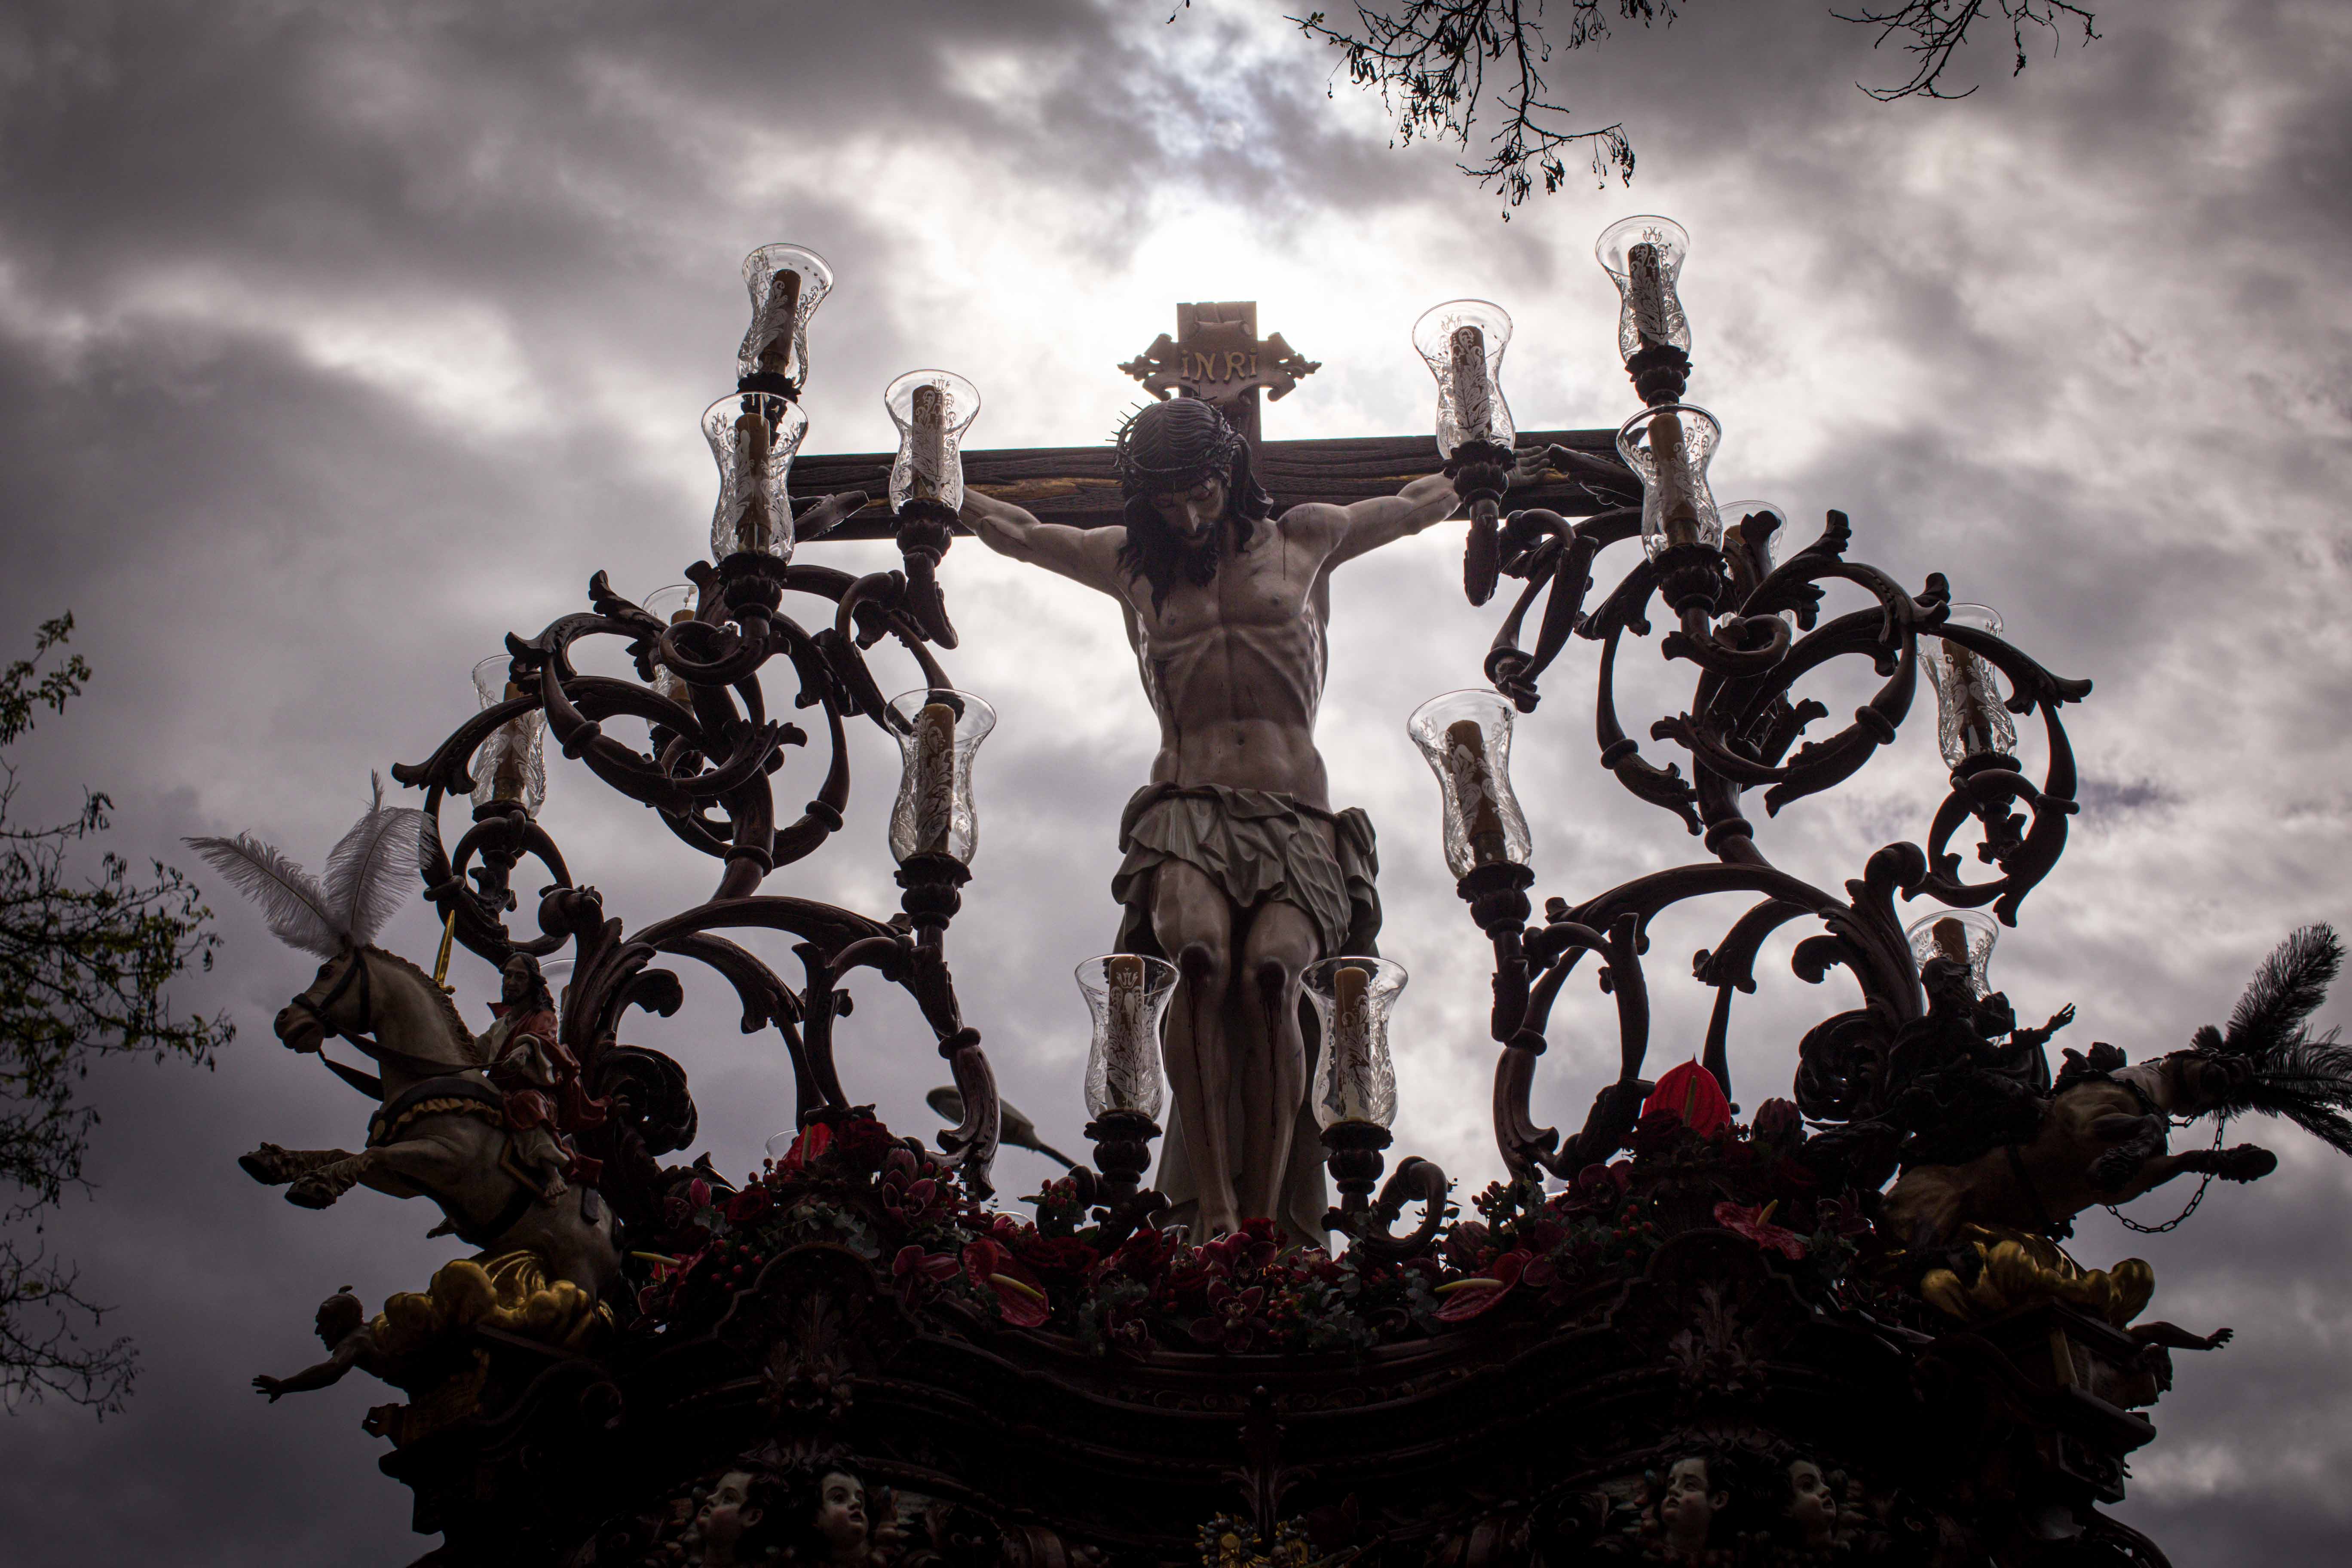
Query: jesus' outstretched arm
point(1366, 525)
point(1084, 555)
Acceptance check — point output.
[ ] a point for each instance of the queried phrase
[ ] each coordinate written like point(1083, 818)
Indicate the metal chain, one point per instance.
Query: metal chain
point(2220, 1127)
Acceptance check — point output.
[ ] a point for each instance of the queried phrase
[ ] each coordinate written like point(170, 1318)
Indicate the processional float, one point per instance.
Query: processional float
point(1667, 1336)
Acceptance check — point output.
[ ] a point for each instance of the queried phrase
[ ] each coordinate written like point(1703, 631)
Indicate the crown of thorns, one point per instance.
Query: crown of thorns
point(1178, 439)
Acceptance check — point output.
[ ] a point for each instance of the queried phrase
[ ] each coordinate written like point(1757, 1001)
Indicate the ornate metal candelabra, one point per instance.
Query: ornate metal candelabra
point(1668, 1336)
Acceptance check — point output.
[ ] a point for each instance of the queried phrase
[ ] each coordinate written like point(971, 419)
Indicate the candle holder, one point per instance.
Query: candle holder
point(673, 605)
point(787, 283)
point(1749, 540)
point(1644, 258)
point(1355, 1078)
point(1462, 341)
point(1669, 448)
point(511, 768)
point(932, 409)
point(1971, 720)
point(1964, 937)
point(934, 826)
point(1465, 738)
point(752, 437)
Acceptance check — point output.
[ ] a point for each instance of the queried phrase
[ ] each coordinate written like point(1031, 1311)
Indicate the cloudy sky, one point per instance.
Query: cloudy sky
point(337, 341)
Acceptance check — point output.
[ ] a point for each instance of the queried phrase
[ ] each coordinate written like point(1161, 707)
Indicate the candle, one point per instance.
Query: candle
point(666, 679)
point(1670, 470)
point(1474, 404)
point(778, 324)
point(1473, 792)
point(1972, 697)
point(934, 778)
point(1646, 278)
point(1951, 939)
point(1351, 1041)
point(1127, 1045)
point(510, 775)
point(930, 429)
point(753, 526)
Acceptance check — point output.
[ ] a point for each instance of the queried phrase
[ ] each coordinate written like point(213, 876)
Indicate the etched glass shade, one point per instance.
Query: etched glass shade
point(669, 606)
point(1465, 736)
point(932, 409)
point(1969, 719)
point(788, 282)
point(1670, 448)
point(1463, 341)
point(1966, 936)
point(939, 732)
point(1355, 1077)
point(1128, 995)
point(752, 437)
point(1643, 257)
point(511, 765)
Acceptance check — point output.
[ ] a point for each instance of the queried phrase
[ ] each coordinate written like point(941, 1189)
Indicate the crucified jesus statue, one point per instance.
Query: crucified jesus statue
point(1236, 867)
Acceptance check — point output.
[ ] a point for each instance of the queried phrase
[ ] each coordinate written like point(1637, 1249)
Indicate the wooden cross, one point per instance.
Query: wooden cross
point(1215, 354)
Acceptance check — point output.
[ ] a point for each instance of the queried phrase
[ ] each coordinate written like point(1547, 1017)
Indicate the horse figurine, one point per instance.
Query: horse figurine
point(2102, 1137)
point(441, 1129)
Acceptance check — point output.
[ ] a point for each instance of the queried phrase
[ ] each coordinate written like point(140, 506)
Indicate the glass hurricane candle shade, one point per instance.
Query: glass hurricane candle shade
point(1463, 341)
point(1643, 257)
point(1969, 719)
point(511, 765)
point(1966, 936)
point(1129, 995)
point(1669, 448)
point(938, 733)
point(752, 437)
point(932, 409)
point(1355, 1077)
point(1465, 736)
point(788, 282)
point(669, 606)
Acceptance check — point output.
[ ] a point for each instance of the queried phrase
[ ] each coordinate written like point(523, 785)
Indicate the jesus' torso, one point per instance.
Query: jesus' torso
point(1234, 667)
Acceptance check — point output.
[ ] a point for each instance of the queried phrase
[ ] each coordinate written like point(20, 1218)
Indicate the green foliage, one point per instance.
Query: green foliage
point(84, 963)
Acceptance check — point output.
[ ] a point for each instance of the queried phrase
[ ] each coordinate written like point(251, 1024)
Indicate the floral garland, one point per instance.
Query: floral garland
point(848, 1182)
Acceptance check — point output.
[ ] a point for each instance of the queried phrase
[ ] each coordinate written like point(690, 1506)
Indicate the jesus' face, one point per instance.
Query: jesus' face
point(1193, 513)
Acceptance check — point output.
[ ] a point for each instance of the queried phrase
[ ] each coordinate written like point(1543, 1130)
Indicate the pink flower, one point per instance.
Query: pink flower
point(697, 1193)
point(1756, 1226)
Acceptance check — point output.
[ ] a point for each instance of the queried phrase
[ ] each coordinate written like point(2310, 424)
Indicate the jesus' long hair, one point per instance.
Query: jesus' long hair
point(1172, 446)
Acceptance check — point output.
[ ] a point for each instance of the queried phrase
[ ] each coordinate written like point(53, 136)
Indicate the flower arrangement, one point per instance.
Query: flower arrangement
point(847, 1182)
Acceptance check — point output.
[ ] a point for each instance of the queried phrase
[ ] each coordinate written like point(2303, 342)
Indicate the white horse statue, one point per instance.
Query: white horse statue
point(441, 1130)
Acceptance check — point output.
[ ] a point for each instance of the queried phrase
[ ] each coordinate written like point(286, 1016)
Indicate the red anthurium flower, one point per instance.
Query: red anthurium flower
point(1756, 1226)
point(1019, 1298)
point(1482, 1293)
point(1691, 1093)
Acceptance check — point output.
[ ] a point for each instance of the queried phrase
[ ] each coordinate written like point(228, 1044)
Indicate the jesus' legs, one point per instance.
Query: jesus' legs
point(1281, 944)
point(1194, 923)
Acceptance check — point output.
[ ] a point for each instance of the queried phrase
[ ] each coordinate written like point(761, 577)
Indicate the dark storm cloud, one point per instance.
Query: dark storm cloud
point(336, 343)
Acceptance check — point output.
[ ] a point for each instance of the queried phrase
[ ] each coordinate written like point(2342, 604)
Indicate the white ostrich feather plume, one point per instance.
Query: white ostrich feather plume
point(359, 891)
point(291, 900)
point(366, 869)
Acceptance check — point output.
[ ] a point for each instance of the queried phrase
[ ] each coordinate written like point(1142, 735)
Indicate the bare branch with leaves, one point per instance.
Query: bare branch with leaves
point(84, 965)
point(1938, 28)
point(1446, 69)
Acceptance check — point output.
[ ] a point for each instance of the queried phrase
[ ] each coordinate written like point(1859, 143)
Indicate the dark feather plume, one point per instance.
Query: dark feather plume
point(2305, 1078)
point(2288, 988)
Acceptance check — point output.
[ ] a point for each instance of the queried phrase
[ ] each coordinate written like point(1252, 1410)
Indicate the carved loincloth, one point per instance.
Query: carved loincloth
point(1258, 847)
